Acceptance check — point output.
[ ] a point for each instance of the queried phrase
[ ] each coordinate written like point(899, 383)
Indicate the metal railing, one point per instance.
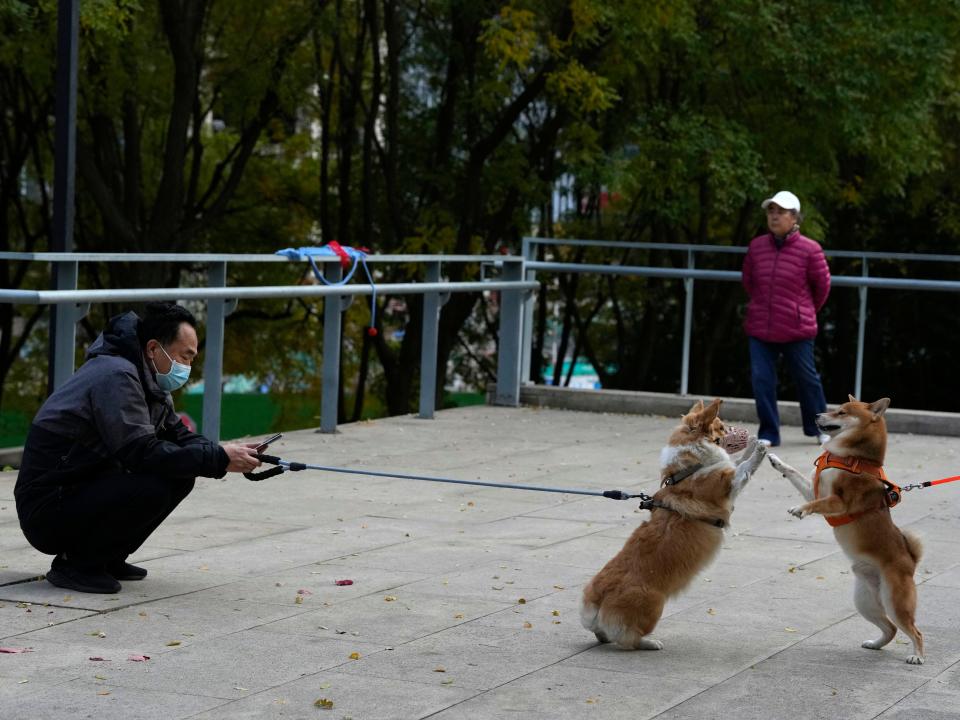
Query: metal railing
point(516, 283)
point(72, 304)
point(690, 273)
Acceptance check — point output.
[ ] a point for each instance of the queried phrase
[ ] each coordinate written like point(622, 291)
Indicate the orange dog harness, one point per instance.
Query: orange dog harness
point(857, 466)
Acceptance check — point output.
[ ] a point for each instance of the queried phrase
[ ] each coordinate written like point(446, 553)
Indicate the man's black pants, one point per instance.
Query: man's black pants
point(101, 520)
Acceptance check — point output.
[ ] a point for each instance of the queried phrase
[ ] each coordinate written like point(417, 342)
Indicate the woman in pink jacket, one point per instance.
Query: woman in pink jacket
point(787, 278)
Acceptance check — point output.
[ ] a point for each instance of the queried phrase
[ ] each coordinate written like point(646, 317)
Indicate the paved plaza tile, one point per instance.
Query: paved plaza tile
point(463, 601)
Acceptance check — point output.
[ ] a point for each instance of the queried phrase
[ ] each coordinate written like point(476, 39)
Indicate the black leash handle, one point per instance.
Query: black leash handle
point(264, 474)
point(272, 472)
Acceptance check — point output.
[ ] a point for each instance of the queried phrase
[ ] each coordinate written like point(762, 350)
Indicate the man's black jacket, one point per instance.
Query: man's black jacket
point(111, 416)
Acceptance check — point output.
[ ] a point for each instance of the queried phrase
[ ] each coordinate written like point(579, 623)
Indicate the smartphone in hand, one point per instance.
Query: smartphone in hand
point(263, 446)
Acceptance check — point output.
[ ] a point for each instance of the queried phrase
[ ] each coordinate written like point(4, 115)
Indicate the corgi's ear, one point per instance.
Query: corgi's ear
point(879, 407)
point(710, 413)
point(697, 407)
point(851, 398)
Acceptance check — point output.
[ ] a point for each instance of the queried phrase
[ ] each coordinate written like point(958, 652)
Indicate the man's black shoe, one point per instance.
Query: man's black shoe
point(122, 570)
point(70, 576)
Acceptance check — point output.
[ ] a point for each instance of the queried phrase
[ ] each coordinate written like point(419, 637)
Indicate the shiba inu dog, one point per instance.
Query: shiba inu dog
point(624, 601)
point(850, 489)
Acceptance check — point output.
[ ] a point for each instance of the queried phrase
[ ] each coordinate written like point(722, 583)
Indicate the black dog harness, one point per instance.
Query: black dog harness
point(649, 503)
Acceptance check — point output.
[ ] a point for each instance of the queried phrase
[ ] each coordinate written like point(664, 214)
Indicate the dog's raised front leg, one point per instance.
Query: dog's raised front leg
point(830, 505)
point(743, 455)
point(746, 468)
point(801, 483)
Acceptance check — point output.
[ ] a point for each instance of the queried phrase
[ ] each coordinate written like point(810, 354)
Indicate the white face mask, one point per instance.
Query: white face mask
point(175, 378)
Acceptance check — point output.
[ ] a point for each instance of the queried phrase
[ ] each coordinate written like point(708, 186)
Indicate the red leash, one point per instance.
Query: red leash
point(929, 483)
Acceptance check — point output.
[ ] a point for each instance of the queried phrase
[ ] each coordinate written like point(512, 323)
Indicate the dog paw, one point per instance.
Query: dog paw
point(797, 511)
point(914, 660)
point(872, 645)
point(776, 462)
point(649, 643)
point(761, 452)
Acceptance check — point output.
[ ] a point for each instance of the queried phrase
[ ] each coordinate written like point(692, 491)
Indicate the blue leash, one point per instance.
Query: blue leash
point(284, 465)
point(362, 258)
point(359, 258)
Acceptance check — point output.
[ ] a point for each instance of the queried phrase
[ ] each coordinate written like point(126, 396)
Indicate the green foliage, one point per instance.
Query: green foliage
point(441, 126)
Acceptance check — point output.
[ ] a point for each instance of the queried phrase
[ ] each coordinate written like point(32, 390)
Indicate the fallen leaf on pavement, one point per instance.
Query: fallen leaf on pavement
point(98, 659)
point(389, 598)
point(439, 669)
point(304, 591)
point(354, 656)
point(341, 583)
point(173, 643)
point(14, 650)
point(528, 625)
point(138, 658)
point(324, 703)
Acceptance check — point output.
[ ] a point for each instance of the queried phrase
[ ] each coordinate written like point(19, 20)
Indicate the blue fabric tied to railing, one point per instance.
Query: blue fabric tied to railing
point(349, 257)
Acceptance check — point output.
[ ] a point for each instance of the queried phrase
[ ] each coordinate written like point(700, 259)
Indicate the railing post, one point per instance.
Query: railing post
point(687, 327)
point(528, 252)
point(213, 363)
point(63, 318)
point(65, 324)
point(428, 345)
point(508, 359)
point(861, 331)
point(332, 310)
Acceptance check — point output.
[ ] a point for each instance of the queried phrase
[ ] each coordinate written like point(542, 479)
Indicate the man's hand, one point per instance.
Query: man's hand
point(243, 458)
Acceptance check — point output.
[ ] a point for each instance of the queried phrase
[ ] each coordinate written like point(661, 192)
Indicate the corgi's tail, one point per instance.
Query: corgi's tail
point(914, 546)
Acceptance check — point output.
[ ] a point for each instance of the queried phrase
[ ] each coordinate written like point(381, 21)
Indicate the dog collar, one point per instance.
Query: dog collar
point(681, 474)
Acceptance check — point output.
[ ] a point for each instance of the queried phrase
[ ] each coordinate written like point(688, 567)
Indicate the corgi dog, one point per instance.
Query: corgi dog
point(624, 601)
point(849, 488)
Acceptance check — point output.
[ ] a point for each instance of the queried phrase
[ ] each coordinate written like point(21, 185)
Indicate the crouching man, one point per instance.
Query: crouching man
point(107, 458)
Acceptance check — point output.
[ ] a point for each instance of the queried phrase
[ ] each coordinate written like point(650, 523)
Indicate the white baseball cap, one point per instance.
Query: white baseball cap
point(785, 199)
